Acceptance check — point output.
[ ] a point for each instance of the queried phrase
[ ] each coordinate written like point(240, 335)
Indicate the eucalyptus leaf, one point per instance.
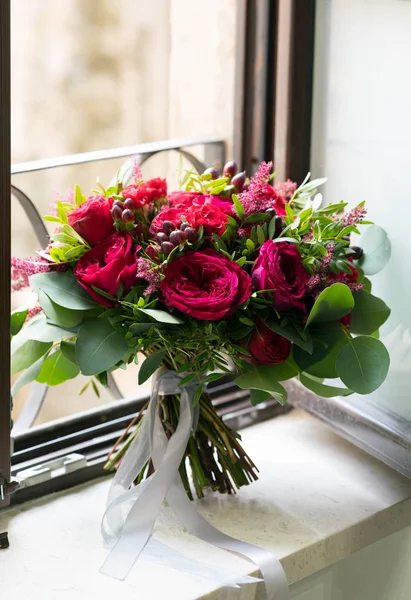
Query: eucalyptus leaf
point(161, 316)
point(261, 378)
point(369, 313)
point(27, 376)
point(17, 319)
point(363, 364)
point(290, 331)
point(259, 396)
point(325, 391)
point(377, 250)
point(63, 289)
point(69, 351)
point(58, 314)
point(27, 354)
point(99, 347)
point(41, 330)
point(150, 365)
point(56, 368)
point(333, 303)
point(324, 340)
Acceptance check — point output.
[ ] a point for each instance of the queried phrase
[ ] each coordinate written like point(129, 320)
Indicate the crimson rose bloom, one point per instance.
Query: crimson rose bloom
point(209, 216)
point(205, 285)
point(184, 200)
point(267, 347)
point(92, 219)
point(166, 214)
point(146, 192)
point(279, 268)
point(107, 265)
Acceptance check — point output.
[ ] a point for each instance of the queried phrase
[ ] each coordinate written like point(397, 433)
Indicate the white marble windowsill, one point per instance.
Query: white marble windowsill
point(319, 500)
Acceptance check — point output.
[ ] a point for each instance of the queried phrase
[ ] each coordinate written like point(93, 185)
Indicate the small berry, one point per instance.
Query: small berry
point(191, 234)
point(246, 186)
point(270, 211)
point(213, 172)
point(230, 168)
point(167, 248)
point(153, 252)
point(127, 216)
point(239, 180)
point(168, 226)
point(278, 226)
point(119, 204)
point(129, 203)
point(177, 237)
point(162, 237)
point(184, 226)
point(116, 213)
point(358, 252)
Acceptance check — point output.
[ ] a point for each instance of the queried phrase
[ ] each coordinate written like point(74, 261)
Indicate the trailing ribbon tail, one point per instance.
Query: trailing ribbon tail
point(128, 530)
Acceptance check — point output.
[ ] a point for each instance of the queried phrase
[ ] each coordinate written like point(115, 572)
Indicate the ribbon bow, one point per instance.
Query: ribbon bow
point(132, 511)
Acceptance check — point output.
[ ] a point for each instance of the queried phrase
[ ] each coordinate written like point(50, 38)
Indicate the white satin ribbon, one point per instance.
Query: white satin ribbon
point(132, 511)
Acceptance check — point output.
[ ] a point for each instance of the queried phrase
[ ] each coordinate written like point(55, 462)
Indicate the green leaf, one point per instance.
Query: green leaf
point(99, 347)
point(17, 319)
point(326, 368)
point(57, 368)
point(161, 316)
point(369, 313)
point(69, 351)
point(260, 235)
point(150, 365)
point(363, 364)
point(220, 243)
point(58, 314)
point(27, 354)
point(102, 378)
point(288, 329)
point(259, 396)
point(333, 303)
point(239, 208)
point(138, 329)
point(41, 331)
point(78, 196)
point(324, 340)
point(325, 391)
point(261, 378)
point(28, 376)
point(377, 250)
point(63, 289)
point(257, 218)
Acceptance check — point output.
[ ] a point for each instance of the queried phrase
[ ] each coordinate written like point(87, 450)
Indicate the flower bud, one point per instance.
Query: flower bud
point(167, 248)
point(116, 213)
point(184, 226)
point(239, 180)
point(127, 216)
point(230, 169)
point(162, 237)
point(119, 204)
point(191, 235)
point(213, 172)
point(270, 211)
point(358, 252)
point(168, 226)
point(153, 252)
point(177, 237)
point(129, 203)
point(278, 226)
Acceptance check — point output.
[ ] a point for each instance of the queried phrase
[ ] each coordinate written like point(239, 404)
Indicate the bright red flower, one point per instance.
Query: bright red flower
point(107, 265)
point(92, 219)
point(205, 285)
point(267, 347)
point(147, 192)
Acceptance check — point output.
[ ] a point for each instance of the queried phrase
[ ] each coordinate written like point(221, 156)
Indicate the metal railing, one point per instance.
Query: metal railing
point(214, 153)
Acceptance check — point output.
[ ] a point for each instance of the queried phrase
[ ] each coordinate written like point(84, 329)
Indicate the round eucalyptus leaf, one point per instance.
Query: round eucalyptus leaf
point(377, 250)
point(362, 364)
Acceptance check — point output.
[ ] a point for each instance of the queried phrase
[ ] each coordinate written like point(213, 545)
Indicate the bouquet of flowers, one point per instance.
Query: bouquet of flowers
point(226, 275)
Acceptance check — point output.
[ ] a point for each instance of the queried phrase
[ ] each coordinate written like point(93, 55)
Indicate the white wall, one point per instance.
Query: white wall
point(362, 143)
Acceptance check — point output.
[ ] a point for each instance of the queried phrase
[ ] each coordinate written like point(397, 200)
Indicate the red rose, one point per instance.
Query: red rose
point(184, 200)
point(107, 265)
point(279, 268)
point(92, 219)
point(267, 347)
point(166, 214)
point(205, 285)
point(209, 216)
point(146, 192)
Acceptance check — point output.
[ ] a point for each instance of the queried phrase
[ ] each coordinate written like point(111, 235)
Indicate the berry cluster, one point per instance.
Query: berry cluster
point(238, 180)
point(171, 237)
point(123, 211)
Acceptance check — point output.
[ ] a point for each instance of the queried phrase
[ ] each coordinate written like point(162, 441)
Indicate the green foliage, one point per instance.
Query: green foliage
point(333, 303)
point(324, 340)
point(369, 313)
point(363, 364)
point(377, 250)
point(17, 319)
point(150, 365)
point(326, 391)
point(27, 354)
point(290, 329)
point(64, 317)
point(99, 347)
point(27, 376)
point(262, 378)
point(56, 368)
point(68, 350)
point(62, 289)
